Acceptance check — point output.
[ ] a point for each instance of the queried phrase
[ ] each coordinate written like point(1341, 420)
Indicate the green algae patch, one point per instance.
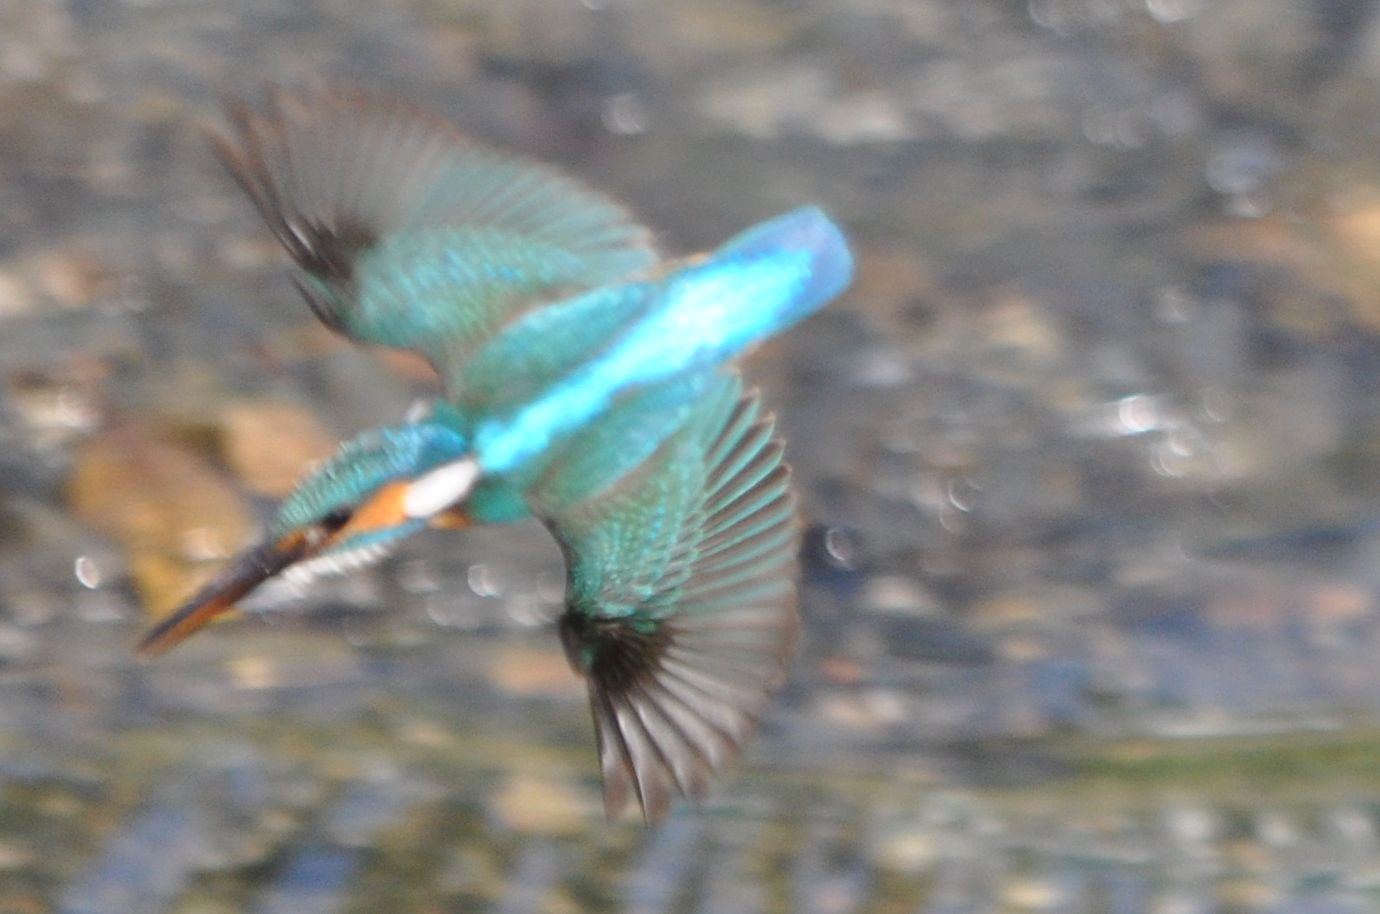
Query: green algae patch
point(1277, 766)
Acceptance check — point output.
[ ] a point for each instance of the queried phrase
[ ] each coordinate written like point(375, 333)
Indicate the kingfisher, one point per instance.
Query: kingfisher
point(589, 382)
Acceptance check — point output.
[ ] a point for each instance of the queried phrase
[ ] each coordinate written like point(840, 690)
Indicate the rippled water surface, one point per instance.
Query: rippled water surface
point(1090, 457)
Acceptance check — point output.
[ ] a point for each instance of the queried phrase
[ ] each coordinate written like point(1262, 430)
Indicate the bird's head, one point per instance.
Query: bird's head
point(379, 488)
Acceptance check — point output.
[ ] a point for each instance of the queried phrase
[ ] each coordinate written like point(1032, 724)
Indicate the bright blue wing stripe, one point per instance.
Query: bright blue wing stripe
point(757, 284)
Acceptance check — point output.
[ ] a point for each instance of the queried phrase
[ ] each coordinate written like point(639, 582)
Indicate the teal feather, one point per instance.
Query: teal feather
point(590, 384)
point(497, 501)
point(409, 234)
point(536, 350)
point(691, 319)
point(680, 598)
point(631, 432)
point(375, 457)
point(444, 291)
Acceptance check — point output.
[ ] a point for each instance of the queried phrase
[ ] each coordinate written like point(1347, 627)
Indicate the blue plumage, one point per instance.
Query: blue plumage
point(587, 383)
point(365, 463)
point(756, 285)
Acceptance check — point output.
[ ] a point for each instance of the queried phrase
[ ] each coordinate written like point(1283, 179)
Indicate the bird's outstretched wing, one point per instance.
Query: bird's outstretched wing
point(409, 235)
point(680, 602)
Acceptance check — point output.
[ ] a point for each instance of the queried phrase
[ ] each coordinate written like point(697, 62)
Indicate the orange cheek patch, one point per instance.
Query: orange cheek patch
point(293, 539)
point(383, 510)
point(452, 519)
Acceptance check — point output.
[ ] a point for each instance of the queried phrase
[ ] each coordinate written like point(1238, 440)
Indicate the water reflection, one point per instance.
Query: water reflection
point(1088, 458)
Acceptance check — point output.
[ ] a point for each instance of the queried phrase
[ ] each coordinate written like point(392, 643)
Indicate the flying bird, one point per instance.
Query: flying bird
point(588, 382)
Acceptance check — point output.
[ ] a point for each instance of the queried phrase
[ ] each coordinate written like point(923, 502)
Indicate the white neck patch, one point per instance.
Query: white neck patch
point(434, 491)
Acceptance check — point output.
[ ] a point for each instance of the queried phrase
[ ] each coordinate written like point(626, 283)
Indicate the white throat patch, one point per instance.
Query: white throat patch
point(440, 488)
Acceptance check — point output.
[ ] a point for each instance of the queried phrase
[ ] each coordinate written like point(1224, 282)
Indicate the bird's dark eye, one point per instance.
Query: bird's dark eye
point(336, 519)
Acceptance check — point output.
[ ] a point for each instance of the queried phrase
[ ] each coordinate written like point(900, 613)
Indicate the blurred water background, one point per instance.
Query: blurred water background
point(1090, 457)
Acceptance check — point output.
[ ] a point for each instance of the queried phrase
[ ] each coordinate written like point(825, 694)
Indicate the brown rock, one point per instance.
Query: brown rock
point(270, 444)
point(15, 296)
point(73, 278)
point(173, 513)
point(891, 282)
point(525, 671)
point(540, 806)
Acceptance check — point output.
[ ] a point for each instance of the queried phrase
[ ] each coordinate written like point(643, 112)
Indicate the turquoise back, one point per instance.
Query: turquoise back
point(691, 320)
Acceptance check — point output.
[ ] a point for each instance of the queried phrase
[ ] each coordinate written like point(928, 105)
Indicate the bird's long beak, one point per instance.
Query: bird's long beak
point(254, 566)
point(250, 569)
point(432, 497)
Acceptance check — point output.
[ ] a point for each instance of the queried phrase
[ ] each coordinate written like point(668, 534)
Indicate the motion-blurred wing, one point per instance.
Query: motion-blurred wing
point(680, 602)
point(409, 235)
point(556, 369)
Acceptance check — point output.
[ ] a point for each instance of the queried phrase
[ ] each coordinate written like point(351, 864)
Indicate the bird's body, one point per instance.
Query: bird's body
point(588, 383)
